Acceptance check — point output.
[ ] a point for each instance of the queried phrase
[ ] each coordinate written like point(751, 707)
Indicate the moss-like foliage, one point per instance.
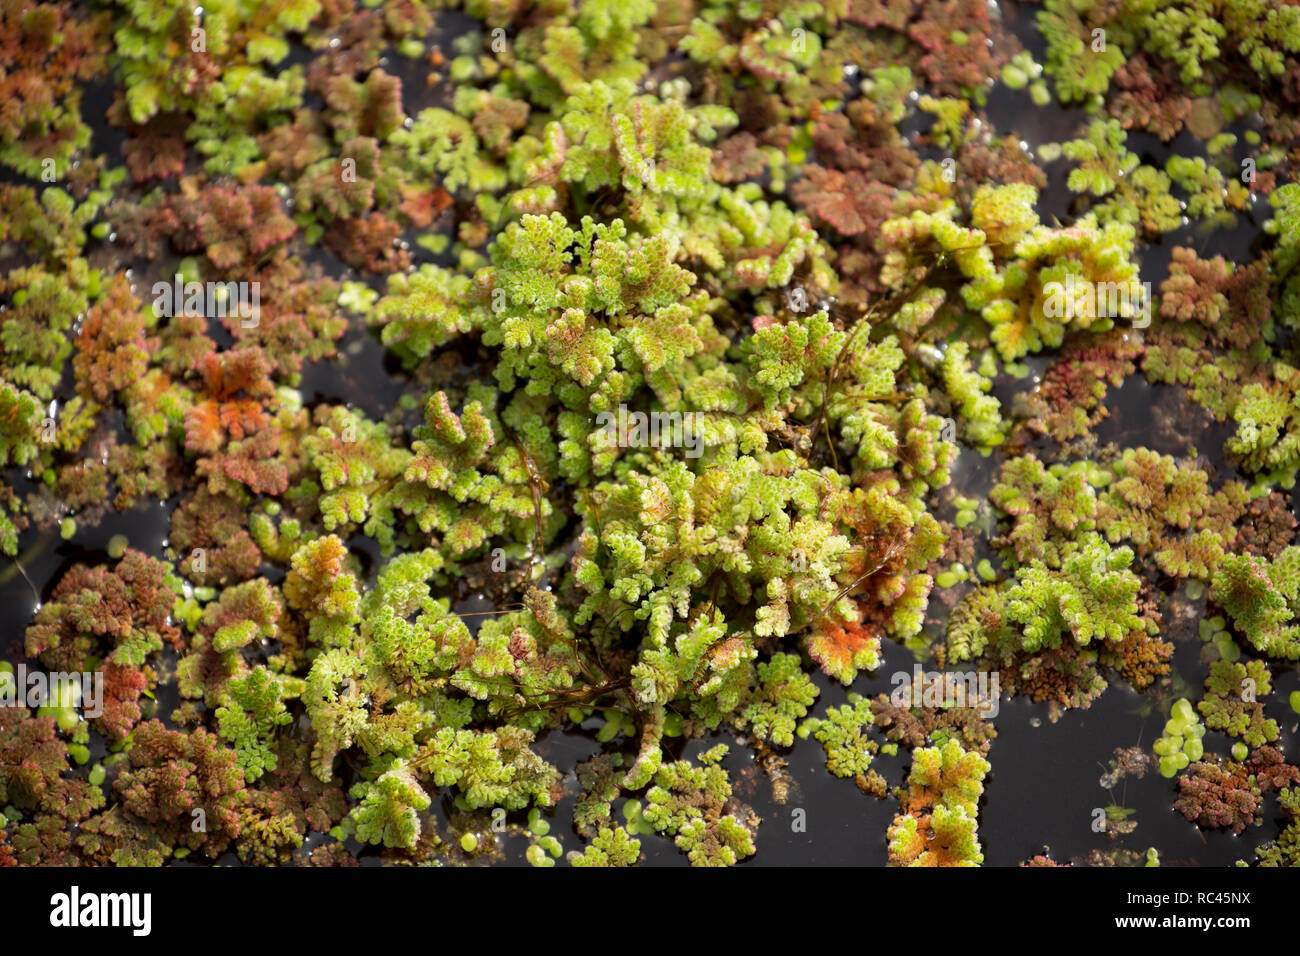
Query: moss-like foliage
point(502, 371)
point(940, 809)
point(687, 803)
point(1259, 597)
point(843, 735)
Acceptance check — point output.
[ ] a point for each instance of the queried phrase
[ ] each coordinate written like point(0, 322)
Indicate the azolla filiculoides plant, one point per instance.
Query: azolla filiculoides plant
point(456, 378)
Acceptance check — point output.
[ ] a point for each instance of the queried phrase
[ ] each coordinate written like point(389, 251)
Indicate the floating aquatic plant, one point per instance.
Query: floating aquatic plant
point(623, 370)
